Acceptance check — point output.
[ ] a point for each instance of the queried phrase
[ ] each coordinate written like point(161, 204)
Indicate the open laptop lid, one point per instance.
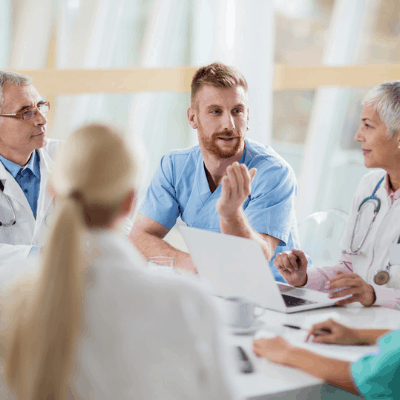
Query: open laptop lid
point(233, 266)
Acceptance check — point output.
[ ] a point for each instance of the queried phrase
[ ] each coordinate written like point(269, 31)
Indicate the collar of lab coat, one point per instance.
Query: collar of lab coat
point(14, 191)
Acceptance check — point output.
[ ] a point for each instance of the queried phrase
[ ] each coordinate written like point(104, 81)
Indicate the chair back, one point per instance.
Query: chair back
point(320, 234)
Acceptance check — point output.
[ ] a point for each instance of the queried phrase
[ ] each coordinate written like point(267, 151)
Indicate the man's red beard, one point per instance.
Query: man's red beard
point(210, 144)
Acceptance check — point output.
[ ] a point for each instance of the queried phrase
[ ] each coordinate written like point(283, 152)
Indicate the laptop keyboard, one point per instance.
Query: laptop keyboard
point(291, 301)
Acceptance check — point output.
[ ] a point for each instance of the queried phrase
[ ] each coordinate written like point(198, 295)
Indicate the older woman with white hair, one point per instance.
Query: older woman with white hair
point(365, 272)
point(90, 322)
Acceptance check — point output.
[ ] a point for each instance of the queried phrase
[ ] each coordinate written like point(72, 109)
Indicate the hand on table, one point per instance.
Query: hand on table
point(275, 349)
point(354, 285)
point(184, 262)
point(335, 333)
point(235, 189)
point(292, 265)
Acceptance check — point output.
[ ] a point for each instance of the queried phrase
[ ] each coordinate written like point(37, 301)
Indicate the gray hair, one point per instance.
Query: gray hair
point(11, 77)
point(385, 99)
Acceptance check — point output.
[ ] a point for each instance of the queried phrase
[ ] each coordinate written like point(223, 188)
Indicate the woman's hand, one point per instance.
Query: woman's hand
point(354, 285)
point(335, 333)
point(276, 349)
point(292, 265)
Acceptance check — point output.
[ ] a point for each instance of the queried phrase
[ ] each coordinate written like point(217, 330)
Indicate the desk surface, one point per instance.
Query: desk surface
point(270, 379)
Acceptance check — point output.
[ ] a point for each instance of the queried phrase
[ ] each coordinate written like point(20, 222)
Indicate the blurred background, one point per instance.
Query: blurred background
point(312, 128)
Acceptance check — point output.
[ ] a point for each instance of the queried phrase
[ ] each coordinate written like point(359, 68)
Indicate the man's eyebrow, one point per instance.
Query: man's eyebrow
point(366, 119)
point(23, 108)
point(219, 106)
point(214, 106)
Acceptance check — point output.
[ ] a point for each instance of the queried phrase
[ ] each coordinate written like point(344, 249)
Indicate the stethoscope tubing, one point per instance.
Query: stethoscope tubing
point(360, 207)
point(14, 220)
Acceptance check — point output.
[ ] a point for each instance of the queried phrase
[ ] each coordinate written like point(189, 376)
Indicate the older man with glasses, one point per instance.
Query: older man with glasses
point(25, 160)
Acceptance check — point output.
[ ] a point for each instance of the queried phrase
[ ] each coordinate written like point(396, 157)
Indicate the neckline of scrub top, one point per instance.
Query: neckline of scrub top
point(202, 185)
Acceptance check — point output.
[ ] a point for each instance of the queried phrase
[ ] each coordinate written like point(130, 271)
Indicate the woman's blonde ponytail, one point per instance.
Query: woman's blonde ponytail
point(92, 175)
point(50, 318)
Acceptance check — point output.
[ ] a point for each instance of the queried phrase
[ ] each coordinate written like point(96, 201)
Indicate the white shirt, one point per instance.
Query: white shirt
point(144, 336)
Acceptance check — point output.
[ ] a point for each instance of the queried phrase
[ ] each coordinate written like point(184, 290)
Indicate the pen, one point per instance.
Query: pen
point(318, 332)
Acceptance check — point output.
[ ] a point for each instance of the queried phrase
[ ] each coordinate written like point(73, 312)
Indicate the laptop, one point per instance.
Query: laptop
point(237, 267)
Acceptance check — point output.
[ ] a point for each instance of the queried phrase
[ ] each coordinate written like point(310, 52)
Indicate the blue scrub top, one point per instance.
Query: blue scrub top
point(180, 188)
point(377, 376)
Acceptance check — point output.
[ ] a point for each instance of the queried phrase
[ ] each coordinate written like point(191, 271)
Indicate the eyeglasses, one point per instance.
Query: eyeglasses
point(30, 113)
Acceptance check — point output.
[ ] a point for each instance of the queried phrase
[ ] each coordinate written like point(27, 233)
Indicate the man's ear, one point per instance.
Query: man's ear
point(248, 115)
point(192, 117)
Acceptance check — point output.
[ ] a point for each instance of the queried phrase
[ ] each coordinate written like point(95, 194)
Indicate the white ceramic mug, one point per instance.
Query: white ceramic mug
point(242, 313)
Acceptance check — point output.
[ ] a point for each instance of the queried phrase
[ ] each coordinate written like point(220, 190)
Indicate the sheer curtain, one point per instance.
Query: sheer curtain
point(158, 120)
point(5, 32)
point(32, 28)
point(88, 33)
point(322, 173)
point(240, 33)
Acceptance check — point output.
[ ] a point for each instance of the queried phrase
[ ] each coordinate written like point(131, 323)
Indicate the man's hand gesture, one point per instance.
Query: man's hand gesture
point(235, 190)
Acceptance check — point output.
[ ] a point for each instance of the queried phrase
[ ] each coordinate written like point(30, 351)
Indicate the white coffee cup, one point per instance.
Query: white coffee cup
point(242, 313)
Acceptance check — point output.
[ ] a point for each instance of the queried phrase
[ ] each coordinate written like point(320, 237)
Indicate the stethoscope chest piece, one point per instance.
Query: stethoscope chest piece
point(381, 277)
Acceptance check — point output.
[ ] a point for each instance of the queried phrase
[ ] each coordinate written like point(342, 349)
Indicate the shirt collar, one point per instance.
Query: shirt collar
point(391, 194)
point(13, 168)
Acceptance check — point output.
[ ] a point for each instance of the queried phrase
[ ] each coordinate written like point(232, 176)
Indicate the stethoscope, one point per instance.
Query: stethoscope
point(382, 276)
point(14, 219)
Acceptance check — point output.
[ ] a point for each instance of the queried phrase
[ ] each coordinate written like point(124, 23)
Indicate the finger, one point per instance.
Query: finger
point(302, 257)
point(225, 190)
point(240, 178)
point(232, 180)
point(345, 283)
point(342, 275)
point(349, 300)
point(278, 261)
point(257, 345)
point(294, 261)
point(339, 281)
point(258, 342)
point(286, 265)
point(329, 338)
point(327, 325)
point(315, 330)
point(344, 292)
point(252, 174)
point(246, 180)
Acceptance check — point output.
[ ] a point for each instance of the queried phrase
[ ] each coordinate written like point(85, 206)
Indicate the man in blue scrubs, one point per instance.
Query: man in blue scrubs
point(226, 184)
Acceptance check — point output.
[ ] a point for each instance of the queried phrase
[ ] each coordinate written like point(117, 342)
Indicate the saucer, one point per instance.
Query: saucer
point(237, 330)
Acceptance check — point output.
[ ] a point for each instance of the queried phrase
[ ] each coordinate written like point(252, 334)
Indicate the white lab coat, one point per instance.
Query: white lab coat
point(374, 254)
point(145, 336)
point(16, 241)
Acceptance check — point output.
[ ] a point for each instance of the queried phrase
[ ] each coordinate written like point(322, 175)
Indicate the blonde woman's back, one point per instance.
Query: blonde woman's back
point(144, 337)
